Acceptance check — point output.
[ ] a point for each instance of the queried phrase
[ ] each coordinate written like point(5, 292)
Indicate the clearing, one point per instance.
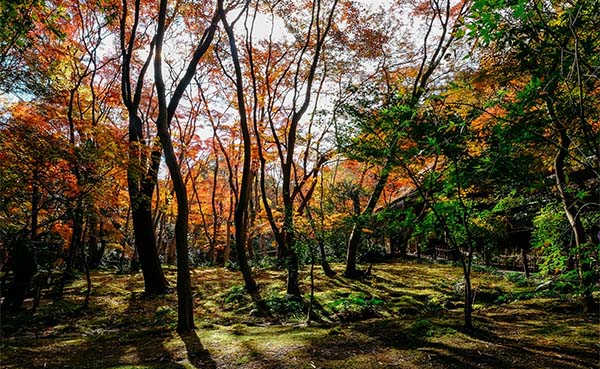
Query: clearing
point(407, 314)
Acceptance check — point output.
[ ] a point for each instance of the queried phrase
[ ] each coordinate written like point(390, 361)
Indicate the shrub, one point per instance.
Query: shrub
point(421, 327)
point(284, 306)
point(236, 295)
point(164, 315)
point(355, 307)
point(517, 278)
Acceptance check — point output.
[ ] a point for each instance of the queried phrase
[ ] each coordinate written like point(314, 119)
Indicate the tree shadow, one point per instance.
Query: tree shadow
point(445, 343)
point(197, 354)
point(96, 337)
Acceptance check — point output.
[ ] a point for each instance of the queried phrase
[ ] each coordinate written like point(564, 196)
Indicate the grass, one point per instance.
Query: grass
point(405, 315)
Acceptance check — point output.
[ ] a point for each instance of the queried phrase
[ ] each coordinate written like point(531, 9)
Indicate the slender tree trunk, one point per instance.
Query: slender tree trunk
point(321, 243)
point(524, 260)
point(35, 203)
point(355, 236)
point(468, 299)
point(324, 263)
point(227, 251)
point(570, 206)
point(215, 220)
point(251, 215)
point(76, 236)
point(241, 211)
point(88, 278)
point(185, 316)
point(312, 285)
point(185, 313)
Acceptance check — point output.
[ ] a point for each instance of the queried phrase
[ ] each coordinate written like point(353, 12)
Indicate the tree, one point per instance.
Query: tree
point(35, 185)
point(74, 99)
point(296, 76)
point(553, 55)
point(144, 153)
point(185, 318)
point(243, 195)
point(24, 25)
point(447, 16)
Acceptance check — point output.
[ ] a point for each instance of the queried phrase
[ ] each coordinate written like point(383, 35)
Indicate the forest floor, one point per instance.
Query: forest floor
point(406, 314)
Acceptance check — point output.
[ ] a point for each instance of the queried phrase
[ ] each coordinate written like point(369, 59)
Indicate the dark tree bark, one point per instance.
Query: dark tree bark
point(185, 316)
point(24, 266)
point(142, 169)
point(244, 191)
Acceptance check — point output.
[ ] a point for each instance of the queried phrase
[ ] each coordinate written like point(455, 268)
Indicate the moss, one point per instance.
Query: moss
point(418, 324)
point(407, 305)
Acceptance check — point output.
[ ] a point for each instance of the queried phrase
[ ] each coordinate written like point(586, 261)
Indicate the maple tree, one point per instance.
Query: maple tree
point(244, 190)
point(144, 152)
point(77, 100)
point(291, 130)
point(447, 16)
point(563, 105)
point(166, 111)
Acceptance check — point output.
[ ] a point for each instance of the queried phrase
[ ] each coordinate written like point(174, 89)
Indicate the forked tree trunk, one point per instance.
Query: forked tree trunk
point(142, 169)
point(356, 235)
point(240, 217)
point(569, 208)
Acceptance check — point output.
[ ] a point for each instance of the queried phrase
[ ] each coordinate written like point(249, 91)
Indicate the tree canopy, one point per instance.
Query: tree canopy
point(136, 135)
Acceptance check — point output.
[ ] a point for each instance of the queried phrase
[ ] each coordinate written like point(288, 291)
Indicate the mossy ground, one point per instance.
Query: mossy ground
point(405, 315)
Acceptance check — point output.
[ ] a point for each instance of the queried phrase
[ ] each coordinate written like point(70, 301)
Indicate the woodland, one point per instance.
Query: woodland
point(299, 184)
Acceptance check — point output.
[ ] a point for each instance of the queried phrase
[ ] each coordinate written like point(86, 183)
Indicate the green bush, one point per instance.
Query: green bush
point(355, 307)
point(232, 265)
point(421, 327)
point(285, 306)
point(551, 235)
point(517, 278)
point(236, 295)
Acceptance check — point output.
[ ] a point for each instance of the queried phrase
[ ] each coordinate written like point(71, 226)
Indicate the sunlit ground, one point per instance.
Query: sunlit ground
point(405, 315)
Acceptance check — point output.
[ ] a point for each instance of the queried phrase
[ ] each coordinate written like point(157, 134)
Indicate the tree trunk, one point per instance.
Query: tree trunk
point(97, 244)
point(88, 279)
point(525, 261)
point(293, 285)
point(240, 217)
point(24, 266)
point(35, 203)
point(570, 206)
point(142, 169)
point(185, 314)
point(215, 222)
point(145, 242)
point(324, 263)
point(76, 238)
point(355, 236)
point(289, 236)
point(468, 300)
